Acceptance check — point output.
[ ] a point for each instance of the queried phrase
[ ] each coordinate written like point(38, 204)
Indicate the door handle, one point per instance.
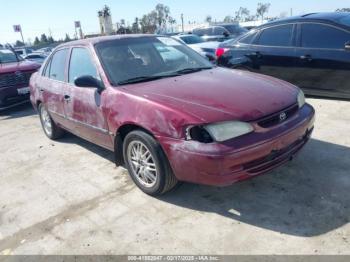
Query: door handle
point(67, 98)
point(256, 54)
point(307, 58)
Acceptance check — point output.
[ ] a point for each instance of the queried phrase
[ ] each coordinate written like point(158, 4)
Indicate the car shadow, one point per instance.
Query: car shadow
point(23, 110)
point(69, 138)
point(308, 197)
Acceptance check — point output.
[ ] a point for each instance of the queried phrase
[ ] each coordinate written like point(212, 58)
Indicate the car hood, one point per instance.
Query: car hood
point(220, 94)
point(19, 66)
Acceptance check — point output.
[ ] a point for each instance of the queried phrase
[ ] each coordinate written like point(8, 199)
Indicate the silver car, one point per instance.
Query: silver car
point(195, 42)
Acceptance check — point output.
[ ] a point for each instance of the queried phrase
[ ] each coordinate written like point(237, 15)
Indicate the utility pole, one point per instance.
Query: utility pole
point(182, 22)
point(291, 12)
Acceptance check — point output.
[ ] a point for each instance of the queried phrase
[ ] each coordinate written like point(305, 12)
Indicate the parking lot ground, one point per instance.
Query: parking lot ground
point(68, 197)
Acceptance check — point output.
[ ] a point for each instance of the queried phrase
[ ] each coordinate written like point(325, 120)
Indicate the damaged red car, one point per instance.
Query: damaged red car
point(168, 113)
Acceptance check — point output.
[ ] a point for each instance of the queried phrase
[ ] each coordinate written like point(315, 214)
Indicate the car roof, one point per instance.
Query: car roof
point(333, 17)
point(99, 39)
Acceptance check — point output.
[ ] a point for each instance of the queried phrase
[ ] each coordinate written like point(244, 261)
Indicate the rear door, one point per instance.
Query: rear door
point(83, 105)
point(53, 84)
point(323, 62)
point(273, 52)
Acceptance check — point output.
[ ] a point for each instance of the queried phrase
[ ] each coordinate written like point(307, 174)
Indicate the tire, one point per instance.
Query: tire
point(151, 172)
point(50, 128)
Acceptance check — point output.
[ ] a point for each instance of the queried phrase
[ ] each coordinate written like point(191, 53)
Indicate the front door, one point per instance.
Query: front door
point(274, 52)
point(323, 61)
point(84, 106)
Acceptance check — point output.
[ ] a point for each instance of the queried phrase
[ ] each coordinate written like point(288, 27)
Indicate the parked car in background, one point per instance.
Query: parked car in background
point(14, 79)
point(311, 51)
point(220, 32)
point(168, 120)
point(23, 51)
point(207, 49)
point(36, 57)
point(45, 50)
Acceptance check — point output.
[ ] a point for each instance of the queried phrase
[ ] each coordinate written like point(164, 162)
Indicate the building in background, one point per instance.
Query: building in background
point(105, 19)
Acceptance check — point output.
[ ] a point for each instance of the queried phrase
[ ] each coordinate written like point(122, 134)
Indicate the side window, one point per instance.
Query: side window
point(248, 38)
point(46, 72)
point(208, 31)
point(81, 64)
point(323, 36)
point(219, 30)
point(277, 36)
point(58, 64)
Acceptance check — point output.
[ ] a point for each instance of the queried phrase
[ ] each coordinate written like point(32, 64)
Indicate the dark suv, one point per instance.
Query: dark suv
point(311, 51)
point(220, 32)
point(14, 79)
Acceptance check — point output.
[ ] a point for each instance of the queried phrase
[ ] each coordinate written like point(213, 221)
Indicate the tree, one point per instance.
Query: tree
point(242, 14)
point(36, 41)
point(228, 19)
point(50, 40)
point(67, 38)
point(262, 9)
point(343, 10)
point(208, 19)
point(163, 13)
point(43, 38)
point(135, 26)
point(105, 12)
point(19, 43)
point(149, 23)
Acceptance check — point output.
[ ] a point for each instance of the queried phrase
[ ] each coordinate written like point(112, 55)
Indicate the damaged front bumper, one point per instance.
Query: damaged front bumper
point(226, 163)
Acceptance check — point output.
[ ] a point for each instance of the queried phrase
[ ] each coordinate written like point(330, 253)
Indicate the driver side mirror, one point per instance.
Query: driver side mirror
point(347, 45)
point(89, 82)
point(226, 34)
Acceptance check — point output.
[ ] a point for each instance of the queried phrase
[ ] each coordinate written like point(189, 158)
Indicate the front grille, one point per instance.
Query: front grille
point(15, 79)
point(279, 117)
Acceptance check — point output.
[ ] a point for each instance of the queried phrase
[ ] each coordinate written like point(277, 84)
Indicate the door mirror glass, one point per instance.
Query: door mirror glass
point(89, 82)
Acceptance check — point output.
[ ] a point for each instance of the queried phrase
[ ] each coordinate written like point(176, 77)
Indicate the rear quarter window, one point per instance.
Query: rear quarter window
point(58, 65)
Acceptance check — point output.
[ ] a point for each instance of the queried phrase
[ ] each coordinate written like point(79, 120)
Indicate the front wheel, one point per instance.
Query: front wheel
point(147, 164)
point(51, 130)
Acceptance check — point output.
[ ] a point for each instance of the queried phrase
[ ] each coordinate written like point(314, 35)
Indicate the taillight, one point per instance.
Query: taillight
point(220, 51)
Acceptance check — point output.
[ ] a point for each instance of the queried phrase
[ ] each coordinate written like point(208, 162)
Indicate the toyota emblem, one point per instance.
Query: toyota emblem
point(283, 117)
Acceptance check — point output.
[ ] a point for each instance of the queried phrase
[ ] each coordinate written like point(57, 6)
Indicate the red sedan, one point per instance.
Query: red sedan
point(168, 113)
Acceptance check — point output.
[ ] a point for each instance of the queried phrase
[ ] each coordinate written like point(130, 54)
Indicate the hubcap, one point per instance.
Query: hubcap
point(46, 120)
point(142, 163)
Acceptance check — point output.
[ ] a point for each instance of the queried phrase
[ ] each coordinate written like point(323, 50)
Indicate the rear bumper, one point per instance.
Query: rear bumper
point(240, 159)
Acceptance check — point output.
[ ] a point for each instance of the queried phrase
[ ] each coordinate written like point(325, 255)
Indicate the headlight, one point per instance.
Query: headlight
point(227, 130)
point(301, 99)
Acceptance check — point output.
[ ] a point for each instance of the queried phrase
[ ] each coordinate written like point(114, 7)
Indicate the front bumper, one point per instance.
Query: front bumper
point(9, 97)
point(226, 163)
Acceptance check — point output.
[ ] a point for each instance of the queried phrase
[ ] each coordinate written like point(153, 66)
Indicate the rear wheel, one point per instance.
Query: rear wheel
point(51, 130)
point(147, 164)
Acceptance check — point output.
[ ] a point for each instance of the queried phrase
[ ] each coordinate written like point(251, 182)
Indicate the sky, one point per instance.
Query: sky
point(57, 16)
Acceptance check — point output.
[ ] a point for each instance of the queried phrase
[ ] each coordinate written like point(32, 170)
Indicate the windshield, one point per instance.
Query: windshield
point(7, 56)
point(235, 29)
point(191, 39)
point(146, 58)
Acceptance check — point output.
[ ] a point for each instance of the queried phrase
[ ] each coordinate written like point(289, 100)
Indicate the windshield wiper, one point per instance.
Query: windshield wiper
point(192, 70)
point(140, 79)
